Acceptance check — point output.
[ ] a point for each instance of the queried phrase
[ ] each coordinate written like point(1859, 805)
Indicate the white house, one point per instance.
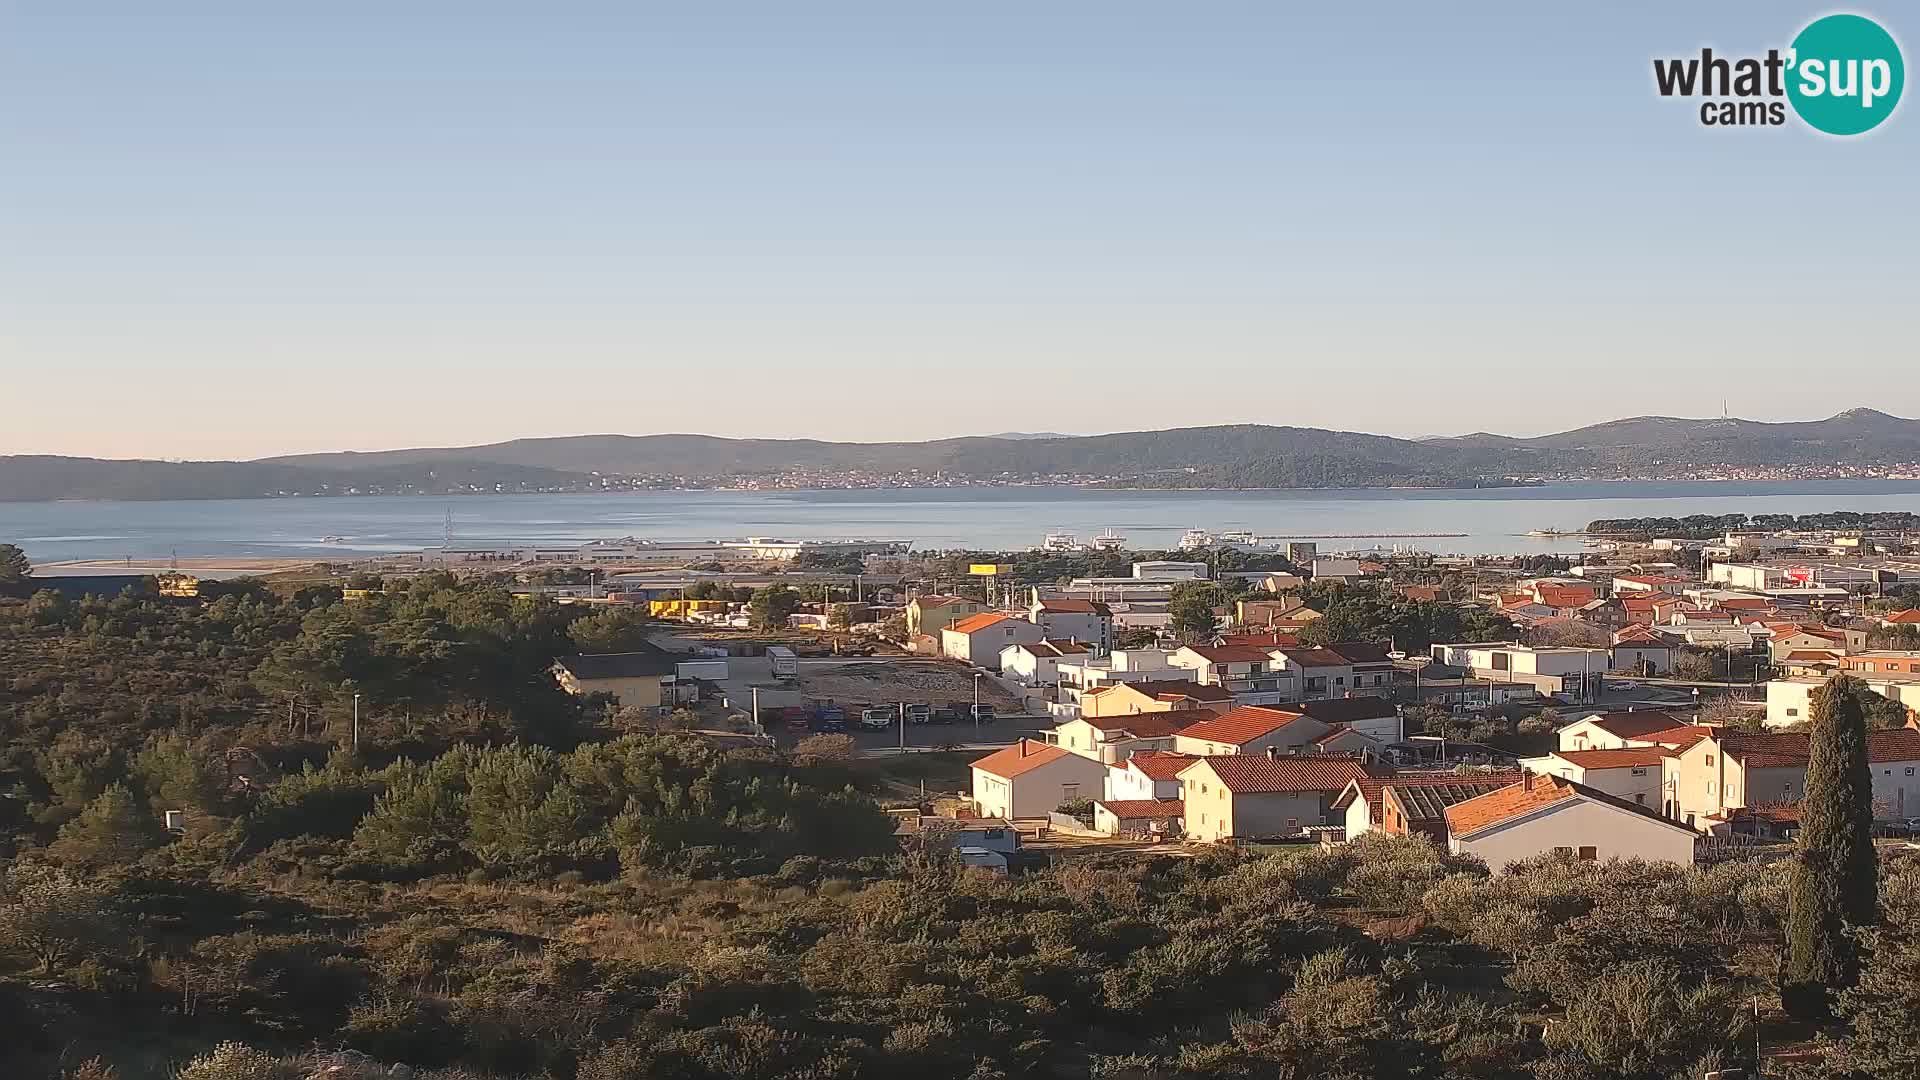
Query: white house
point(978, 639)
point(1037, 663)
point(1029, 779)
point(1543, 814)
point(1635, 774)
point(1148, 774)
point(1643, 650)
point(1113, 739)
point(1616, 730)
point(1250, 673)
point(1089, 622)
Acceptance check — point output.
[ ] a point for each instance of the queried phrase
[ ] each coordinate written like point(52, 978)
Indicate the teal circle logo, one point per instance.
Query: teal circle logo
point(1845, 74)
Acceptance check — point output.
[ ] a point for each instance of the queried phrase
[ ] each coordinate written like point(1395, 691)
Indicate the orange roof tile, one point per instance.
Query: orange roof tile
point(1022, 757)
point(1159, 764)
point(976, 623)
point(1911, 615)
point(1638, 756)
point(1241, 725)
point(1152, 725)
point(1529, 794)
point(1633, 725)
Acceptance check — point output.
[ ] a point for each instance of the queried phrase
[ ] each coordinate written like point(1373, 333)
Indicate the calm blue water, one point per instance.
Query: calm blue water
point(991, 518)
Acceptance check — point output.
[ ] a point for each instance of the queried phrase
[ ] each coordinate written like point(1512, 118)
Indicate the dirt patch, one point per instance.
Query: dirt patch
point(886, 683)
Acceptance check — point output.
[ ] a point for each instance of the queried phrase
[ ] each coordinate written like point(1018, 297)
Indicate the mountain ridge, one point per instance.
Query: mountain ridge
point(1216, 456)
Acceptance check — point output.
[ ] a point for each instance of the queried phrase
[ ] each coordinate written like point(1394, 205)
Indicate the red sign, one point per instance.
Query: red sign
point(1801, 574)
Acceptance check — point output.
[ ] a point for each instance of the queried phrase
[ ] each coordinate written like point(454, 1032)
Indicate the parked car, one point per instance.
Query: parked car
point(983, 714)
point(943, 715)
point(919, 714)
point(876, 719)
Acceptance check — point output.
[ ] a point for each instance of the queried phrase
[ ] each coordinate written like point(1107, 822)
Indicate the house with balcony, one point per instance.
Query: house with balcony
point(1249, 672)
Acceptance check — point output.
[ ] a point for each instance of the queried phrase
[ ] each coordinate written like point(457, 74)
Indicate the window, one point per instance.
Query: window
point(1640, 797)
point(1069, 792)
point(1639, 770)
point(1909, 770)
point(1790, 712)
point(1709, 759)
point(1293, 823)
point(1589, 854)
point(1563, 851)
point(1339, 680)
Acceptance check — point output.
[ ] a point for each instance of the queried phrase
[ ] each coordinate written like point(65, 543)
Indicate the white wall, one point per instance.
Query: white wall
point(1036, 792)
point(1789, 702)
point(1578, 822)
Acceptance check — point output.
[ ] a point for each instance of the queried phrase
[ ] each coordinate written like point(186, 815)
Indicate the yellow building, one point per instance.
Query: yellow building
point(1129, 699)
point(178, 584)
point(932, 614)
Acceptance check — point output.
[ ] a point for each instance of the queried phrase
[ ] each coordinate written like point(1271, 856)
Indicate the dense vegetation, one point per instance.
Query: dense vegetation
point(501, 884)
point(1708, 526)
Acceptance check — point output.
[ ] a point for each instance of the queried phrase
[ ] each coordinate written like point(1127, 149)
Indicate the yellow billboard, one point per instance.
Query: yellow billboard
point(989, 569)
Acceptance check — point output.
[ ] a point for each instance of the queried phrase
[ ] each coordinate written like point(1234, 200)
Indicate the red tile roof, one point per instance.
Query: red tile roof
point(1242, 725)
point(1909, 616)
point(1144, 808)
point(1022, 757)
point(1633, 725)
point(1533, 792)
point(1052, 647)
point(975, 623)
point(1681, 737)
point(1314, 658)
point(1360, 652)
point(1563, 596)
point(1258, 774)
point(1159, 764)
point(1789, 749)
point(1074, 607)
point(1639, 634)
point(1638, 756)
point(1152, 725)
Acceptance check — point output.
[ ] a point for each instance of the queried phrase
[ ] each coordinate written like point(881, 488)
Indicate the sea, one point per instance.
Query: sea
point(1470, 521)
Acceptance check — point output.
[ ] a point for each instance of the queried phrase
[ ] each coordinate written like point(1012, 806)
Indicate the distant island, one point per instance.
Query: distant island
point(1855, 443)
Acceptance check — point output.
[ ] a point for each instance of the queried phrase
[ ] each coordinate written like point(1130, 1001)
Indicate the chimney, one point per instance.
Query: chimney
point(1273, 753)
point(1023, 748)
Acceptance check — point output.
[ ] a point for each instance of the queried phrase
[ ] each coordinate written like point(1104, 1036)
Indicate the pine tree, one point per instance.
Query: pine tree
point(1835, 875)
point(114, 829)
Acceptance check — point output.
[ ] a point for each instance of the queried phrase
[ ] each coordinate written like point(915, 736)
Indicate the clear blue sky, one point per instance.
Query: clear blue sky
point(361, 225)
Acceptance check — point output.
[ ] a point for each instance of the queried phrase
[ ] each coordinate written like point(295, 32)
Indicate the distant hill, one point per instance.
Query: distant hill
point(1227, 456)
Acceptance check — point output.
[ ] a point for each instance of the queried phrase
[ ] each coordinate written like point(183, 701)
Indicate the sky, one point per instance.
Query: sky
point(240, 229)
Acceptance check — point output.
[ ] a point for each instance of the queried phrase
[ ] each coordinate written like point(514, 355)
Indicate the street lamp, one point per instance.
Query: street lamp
point(976, 706)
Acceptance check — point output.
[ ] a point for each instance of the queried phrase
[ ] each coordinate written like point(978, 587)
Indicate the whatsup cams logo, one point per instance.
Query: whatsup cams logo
point(1842, 75)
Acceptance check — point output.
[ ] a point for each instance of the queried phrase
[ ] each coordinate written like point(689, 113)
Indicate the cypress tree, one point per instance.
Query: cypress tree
point(1835, 874)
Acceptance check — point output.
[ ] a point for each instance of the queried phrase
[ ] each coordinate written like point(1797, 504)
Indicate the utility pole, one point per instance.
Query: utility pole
point(758, 728)
point(356, 722)
point(903, 725)
point(976, 706)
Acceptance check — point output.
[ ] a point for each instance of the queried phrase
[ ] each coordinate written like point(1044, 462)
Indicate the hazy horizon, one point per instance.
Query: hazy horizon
point(234, 233)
